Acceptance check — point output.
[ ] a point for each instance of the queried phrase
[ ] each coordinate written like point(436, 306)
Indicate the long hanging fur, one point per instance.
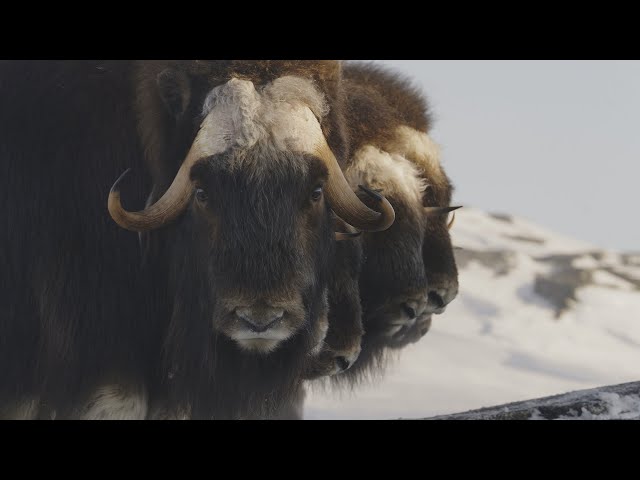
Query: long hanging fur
point(71, 292)
point(84, 304)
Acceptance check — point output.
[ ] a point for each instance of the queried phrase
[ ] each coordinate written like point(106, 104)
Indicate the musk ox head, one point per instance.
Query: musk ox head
point(409, 271)
point(342, 344)
point(248, 212)
point(245, 180)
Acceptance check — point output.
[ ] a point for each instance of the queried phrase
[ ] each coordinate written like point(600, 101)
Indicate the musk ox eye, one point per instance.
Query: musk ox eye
point(201, 195)
point(316, 194)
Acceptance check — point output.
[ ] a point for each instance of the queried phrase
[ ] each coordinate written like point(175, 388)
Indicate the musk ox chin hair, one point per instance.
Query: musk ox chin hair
point(251, 386)
point(208, 374)
point(370, 366)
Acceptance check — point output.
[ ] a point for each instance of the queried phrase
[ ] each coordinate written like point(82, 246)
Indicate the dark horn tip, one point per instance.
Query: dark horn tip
point(371, 193)
point(441, 210)
point(114, 188)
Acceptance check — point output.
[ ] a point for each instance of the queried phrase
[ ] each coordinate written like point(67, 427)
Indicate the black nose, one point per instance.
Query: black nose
point(343, 363)
point(259, 320)
point(436, 299)
point(411, 313)
point(258, 328)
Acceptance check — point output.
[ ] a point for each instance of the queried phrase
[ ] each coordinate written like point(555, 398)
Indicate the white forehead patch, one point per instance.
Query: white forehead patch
point(390, 172)
point(284, 115)
point(233, 108)
point(418, 147)
point(297, 90)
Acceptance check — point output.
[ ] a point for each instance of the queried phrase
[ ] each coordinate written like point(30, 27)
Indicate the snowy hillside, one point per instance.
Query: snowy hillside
point(538, 314)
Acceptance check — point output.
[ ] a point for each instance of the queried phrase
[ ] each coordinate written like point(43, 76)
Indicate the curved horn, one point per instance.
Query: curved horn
point(453, 219)
point(432, 211)
point(175, 199)
point(343, 231)
point(346, 204)
point(340, 236)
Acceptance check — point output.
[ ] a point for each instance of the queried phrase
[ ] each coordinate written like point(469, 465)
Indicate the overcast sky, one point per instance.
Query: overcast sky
point(557, 142)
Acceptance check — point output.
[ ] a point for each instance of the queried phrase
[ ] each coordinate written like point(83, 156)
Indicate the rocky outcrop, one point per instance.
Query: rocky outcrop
point(615, 402)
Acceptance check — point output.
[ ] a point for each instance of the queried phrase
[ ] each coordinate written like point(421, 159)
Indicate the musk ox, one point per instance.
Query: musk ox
point(341, 345)
point(408, 272)
point(212, 310)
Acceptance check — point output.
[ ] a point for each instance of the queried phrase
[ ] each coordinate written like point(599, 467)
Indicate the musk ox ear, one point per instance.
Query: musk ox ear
point(175, 90)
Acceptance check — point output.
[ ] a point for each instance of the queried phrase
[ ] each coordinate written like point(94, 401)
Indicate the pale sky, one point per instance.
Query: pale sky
point(556, 142)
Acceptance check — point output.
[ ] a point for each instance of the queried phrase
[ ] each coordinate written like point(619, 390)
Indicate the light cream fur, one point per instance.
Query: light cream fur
point(421, 150)
point(162, 412)
point(403, 167)
point(392, 173)
point(114, 402)
point(321, 333)
point(282, 116)
point(24, 409)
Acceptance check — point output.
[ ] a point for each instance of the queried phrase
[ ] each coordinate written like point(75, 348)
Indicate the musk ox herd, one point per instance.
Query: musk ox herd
point(202, 239)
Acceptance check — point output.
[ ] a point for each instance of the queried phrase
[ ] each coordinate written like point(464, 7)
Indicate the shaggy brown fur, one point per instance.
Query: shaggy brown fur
point(70, 284)
point(381, 105)
point(342, 344)
point(77, 312)
point(412, 263)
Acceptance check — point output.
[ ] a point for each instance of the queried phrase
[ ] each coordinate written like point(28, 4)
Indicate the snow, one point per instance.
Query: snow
point(607, 279)
point(483, 231)
point(611, 406)
point(501, 342)
point(617, 407)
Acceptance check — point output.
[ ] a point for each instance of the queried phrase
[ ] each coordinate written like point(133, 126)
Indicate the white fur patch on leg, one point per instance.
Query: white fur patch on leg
point(114, 402)
point(161, 412)
point(23, 409)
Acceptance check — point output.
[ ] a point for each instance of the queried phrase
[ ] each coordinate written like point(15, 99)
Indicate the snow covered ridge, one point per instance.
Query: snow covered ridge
point(538, 314)
point(618, 402)
point(563, 265)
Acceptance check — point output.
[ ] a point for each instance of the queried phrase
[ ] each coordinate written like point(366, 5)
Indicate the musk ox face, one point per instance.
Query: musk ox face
point(393, 284)
point(342, 345)
point(266, 240)
point(409, 271)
